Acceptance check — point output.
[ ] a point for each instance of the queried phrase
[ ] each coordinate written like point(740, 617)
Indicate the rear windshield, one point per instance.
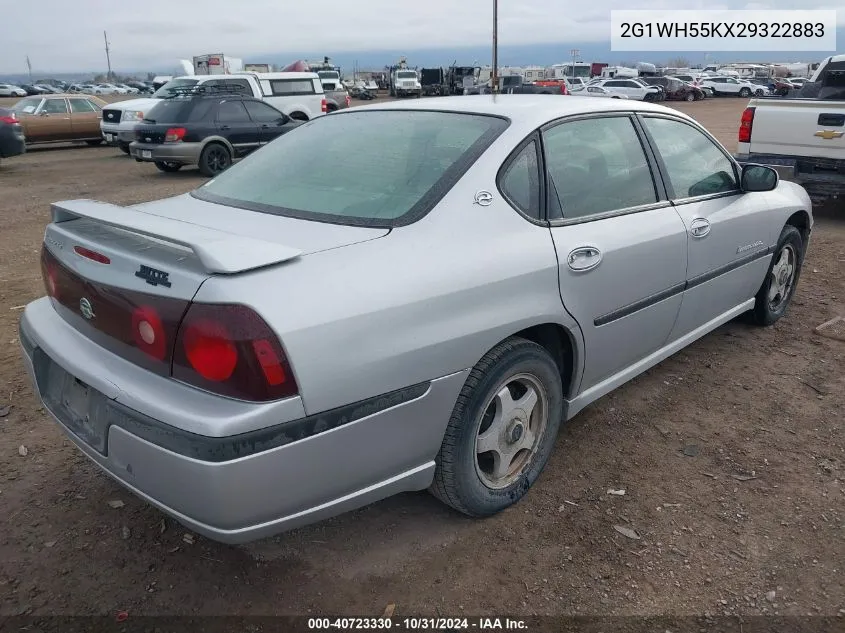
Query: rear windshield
point(367, 168)
point(165, 91)
point(28, 105)
point(177, 110)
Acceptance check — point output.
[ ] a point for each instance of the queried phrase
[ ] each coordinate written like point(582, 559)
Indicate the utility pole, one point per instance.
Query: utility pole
point(494, 76)
point(108, 59)
point(29, 66)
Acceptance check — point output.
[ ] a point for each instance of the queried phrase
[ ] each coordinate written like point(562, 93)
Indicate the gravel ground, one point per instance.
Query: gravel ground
point(730, 454)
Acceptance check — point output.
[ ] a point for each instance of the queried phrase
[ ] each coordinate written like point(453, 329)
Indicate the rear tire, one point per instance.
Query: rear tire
point(511, 402)
point(124, 147)
point(298, 116)
point(214, 159)
point(167, 166)
point(778, 287)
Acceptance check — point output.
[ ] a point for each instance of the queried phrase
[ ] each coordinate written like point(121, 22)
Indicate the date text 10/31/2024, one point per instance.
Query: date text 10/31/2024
point(418, 624)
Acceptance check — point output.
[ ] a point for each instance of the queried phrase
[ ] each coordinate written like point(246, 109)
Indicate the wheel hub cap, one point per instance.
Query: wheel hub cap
point(516, 431)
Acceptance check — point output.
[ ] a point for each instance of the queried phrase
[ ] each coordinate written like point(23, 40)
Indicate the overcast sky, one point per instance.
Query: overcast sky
point(67, 36)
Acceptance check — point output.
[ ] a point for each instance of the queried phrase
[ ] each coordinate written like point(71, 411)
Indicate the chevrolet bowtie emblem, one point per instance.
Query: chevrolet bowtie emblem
point(828, 134)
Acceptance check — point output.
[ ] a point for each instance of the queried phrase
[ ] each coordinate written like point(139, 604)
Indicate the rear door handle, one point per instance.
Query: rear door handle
point(584, 258)
point(699, 227)
point(831, 120)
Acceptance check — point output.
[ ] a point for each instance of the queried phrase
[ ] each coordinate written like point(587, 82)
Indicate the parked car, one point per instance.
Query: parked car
point(676, 89)
point(47, 89)
point(598, 91)
point(299, 95)
point(732, 86)
point(127, 90)
point(210, 130)
point(12, 140)
point(60, 118)
point(222, 353)
point(33, 90)
point(631, 88)
point(10, 90)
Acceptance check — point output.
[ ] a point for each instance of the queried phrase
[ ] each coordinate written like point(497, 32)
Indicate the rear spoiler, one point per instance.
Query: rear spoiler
point(218, 251)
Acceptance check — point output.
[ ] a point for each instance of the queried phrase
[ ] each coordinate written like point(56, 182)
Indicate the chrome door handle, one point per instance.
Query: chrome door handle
point(584, 258)
point(699, 227)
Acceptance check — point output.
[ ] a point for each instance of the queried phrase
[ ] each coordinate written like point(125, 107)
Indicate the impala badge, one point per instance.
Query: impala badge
point(828, 134)
point(484, 198)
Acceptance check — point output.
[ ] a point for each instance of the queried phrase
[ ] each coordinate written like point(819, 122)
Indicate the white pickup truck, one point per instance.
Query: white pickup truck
point(801, 135)
point(300, 95)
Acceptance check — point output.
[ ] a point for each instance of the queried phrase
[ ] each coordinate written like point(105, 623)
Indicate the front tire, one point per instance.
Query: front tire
point(689, 97)
point(502, 429)
point(775, 294)
point(745, 93)
point(124, 147)
point(94, 142)
point(214, 159)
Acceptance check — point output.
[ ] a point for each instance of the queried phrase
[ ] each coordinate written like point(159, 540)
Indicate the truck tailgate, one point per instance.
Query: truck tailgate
point(799, 127)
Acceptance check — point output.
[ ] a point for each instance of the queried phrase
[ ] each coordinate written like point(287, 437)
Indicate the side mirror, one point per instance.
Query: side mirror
point(758, 178)
point(42, 113)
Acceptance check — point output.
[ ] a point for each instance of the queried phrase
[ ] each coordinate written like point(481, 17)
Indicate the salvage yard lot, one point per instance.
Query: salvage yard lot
point(731, 455)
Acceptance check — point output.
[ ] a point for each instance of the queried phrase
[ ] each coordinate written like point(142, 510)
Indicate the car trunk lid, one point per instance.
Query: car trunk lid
point(110, 269)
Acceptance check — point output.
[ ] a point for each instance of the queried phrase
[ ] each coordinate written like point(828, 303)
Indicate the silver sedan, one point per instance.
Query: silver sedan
point(397, 297)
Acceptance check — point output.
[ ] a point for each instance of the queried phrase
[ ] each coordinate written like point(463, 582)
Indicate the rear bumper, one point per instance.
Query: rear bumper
point(387, 448)
point(11, 143)
point(184, 153)
point(823, 178)
point(116, 133)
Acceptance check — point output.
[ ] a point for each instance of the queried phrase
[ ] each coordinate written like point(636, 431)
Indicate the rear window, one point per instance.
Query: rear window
point(291, 87)
point(169, 111)
point(28, 105)
point(367, 168)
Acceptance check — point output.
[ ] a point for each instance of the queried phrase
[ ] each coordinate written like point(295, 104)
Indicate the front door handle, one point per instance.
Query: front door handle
point(699, 227)
point(584, 258)
point(225, 127)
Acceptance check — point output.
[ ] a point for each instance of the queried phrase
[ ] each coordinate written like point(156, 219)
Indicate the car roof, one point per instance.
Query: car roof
point(529, 110)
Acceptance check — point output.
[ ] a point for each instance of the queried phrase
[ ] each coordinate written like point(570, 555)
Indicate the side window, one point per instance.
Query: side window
point(695, 165)
point(598, 165)
point(520, 183)
point(261, 112)
point(94, 106)
point(612, 84)
point(80, 106)
point(55, 106)
point(291, 86)
point(232, 112)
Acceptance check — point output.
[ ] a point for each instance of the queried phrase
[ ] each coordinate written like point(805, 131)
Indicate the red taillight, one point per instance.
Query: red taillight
point(8, 119)
point(745, 125)
point(174, 135)
point(210, 350)
point(230, 350)
point(324, 106)
point(48, 273)
point(92, 255)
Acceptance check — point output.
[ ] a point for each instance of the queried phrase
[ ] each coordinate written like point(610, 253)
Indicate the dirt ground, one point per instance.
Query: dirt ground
point(731, 455)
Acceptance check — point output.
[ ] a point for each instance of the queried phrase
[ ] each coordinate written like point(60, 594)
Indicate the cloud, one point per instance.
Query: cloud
point(59, 36)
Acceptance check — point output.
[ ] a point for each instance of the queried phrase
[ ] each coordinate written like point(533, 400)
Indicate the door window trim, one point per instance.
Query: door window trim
point(664, 172)
point(503, 171)
point(656, 176)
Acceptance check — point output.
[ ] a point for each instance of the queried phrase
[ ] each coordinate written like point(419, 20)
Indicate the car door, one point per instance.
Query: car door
point(84, 118)
point(233, 123)
point(614, 86)
point(731, 86)
point(620, 244)
point(729, 237)
point(51, 122)
point(271, 122)
point(633, 90)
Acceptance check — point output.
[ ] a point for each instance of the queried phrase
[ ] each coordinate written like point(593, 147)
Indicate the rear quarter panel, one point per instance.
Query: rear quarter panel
point(425, 301)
